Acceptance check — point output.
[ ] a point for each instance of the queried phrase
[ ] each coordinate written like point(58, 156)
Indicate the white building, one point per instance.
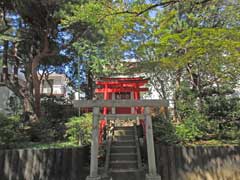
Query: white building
point(55, 84)
point(59, 84)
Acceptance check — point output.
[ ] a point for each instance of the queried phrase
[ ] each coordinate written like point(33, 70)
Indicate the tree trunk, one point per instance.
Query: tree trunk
point(89, 92)
point(28, 103)
point(166, 114)
point(27, 107)
point(195, 80)
point(35, 79)
point(176, 117)
point(36, 88)
point(5, 61)
point(16, 65)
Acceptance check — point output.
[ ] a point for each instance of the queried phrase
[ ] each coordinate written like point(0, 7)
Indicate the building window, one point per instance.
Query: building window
point(47, 85)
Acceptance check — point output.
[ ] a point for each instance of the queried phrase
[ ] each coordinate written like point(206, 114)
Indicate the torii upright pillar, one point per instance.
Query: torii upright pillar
point(94, 147)
point(152, 170)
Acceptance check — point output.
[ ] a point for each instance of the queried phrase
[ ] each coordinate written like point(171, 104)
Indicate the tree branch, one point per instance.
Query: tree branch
point(162, 4)
point(5, 22)
point(41, 75)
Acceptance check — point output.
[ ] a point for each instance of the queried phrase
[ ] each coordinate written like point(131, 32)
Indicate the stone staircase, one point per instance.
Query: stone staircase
point(125, 161)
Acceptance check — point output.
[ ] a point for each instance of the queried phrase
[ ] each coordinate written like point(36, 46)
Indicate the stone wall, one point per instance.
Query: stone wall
point(48, 164)
point(198, 163)
point(173, 163)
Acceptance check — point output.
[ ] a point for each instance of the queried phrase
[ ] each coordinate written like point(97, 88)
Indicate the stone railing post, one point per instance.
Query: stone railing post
point(94, 147)
point(152, 171)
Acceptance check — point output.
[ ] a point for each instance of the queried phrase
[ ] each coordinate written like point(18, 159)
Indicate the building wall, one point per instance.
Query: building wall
point(59, 85)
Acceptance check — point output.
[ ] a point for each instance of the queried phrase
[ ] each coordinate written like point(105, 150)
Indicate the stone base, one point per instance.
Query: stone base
point(153, 177)
point(93, 178)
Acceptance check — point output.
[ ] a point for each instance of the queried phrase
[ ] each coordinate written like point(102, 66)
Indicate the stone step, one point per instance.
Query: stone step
point(123, 164)
point(124, 143)
point(123, 133)
point(120, 138)
point(124, 170)
point(123, 156)
point(127, 174)
point(123, 149)
point(130, 128)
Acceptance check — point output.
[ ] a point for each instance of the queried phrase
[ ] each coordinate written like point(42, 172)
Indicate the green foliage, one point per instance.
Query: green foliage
point(193, 127)
point(225, 111)
point(164, 131)
point(52, 107)
point(195, 42)
point(215, 116)
point(79, 129)
point(10, 129)
point(40, 145)
point(47, 130)
point(222, 108)
point(229, 131)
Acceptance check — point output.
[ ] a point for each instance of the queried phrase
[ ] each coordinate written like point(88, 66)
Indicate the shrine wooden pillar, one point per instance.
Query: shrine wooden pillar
point(113, 108)
point(105, 97)
point(132, 98)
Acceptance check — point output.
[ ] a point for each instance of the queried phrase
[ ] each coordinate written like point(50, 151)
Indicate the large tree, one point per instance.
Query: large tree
point(35, 38)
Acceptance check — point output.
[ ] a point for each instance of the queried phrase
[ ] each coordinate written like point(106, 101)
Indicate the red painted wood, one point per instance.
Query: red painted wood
point(123, 78)
point(105, 98)
point(121, 82)
point(123, 110)
point(116, 90)
point(122, 87)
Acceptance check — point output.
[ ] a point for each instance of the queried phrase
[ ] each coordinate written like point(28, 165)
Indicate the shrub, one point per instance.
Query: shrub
point(229, 131)
point(195, 126)
point(79, 129)
point(57, 108)
point(10, 130)
point(47, 130)
point(52, 109)
point(164, 131)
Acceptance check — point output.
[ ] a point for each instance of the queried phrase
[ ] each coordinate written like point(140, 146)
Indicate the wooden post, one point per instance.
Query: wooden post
point(105, 97)
point(132, 98)
point(152, 171)
point(94, 147)
point(113, 108)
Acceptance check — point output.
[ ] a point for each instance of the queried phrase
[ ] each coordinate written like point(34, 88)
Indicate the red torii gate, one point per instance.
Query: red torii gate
point(120, 88)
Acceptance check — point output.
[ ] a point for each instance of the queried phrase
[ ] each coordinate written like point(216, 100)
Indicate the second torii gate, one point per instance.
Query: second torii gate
point(118, 88)
point(97, 104)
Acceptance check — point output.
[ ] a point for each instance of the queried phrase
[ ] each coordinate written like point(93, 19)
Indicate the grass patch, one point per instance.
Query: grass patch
point(215, 142)
point(37, 145)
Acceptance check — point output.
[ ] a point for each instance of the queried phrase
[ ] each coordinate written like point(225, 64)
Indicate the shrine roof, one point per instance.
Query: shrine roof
point(121, 84)
point(121, 80)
